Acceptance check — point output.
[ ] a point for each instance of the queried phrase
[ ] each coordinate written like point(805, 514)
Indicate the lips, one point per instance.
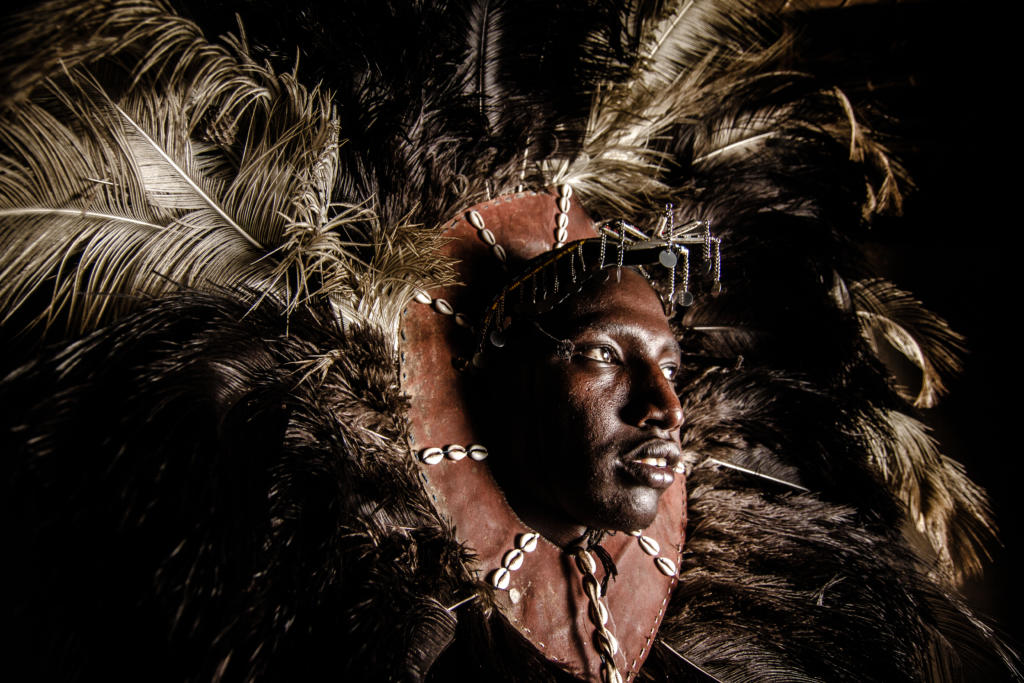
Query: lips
point(654, 463)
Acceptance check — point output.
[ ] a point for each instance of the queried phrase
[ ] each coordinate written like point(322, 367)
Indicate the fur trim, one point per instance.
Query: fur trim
point(204, 507)
point(218, 484)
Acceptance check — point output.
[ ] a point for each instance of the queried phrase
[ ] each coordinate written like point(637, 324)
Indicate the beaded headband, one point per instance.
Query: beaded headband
point(553, 277)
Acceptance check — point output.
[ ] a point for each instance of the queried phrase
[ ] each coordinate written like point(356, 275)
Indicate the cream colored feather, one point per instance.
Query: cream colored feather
point(922, 337)
point(208, 171)
point(946, 506)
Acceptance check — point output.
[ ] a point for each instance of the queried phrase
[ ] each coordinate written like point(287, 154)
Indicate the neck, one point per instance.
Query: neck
point(564, 536)
point(549, 523)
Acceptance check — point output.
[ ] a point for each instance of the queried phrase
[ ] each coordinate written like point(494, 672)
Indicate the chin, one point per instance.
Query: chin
point(636, 511)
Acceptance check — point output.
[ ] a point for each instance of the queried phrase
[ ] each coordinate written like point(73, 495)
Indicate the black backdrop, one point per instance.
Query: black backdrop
point(944, 72)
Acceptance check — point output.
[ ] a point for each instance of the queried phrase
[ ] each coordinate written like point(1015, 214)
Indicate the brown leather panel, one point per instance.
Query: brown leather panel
point(545, 600)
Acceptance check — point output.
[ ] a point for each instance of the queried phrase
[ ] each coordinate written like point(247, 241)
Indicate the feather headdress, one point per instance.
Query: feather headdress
point(140, 157)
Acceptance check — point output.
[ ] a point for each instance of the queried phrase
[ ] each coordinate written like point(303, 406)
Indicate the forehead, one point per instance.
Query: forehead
point(629, 302)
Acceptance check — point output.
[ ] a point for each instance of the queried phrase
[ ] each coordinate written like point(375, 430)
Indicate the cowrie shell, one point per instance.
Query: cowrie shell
point(513, 559)
point(476, 220)
point(500, 578)
point(488, 237)
point(423, 297)
point(562, 221)
point(527, 542)
point(477, 452)
point(605, 638)
point(665, 566)
point(455, 452)
point(591, 588)
point(443, 307)
point(649, 545)
point(585, 562)
point(563, 204)
point(432, 456)
point(609, 675)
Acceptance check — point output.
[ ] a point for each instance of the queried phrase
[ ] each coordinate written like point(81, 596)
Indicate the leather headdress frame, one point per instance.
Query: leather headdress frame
point(540, 595)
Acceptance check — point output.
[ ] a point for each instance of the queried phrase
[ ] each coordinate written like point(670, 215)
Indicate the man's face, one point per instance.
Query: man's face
point(601, 436)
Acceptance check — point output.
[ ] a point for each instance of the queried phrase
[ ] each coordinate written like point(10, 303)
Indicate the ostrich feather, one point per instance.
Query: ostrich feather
point(207, 171)
point(948, 508)
point(710, 81)
point(922, 337)
point(483, 42)
point(676, 80)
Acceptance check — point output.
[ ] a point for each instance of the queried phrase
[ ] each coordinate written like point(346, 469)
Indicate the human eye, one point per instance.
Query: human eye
point(669, 371)
point(599, 352)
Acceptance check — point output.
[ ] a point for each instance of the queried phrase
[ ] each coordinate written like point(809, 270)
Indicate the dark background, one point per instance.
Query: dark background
point(944, 72)
point(947, 73)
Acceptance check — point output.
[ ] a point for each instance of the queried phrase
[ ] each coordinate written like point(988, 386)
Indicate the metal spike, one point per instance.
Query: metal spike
point(744, 470)
point(460, 603)
point(697, 668)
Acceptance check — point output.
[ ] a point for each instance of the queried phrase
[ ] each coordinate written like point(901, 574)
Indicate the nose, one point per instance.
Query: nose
point(656, 404)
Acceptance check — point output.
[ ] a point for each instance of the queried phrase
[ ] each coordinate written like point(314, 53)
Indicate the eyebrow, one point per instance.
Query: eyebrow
point(592, 321)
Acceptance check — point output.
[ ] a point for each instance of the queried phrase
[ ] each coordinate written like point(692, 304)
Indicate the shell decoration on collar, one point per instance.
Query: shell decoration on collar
point(549, 594)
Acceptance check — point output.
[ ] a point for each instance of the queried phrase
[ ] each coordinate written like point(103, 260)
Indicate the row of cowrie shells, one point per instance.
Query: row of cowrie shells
point(513, 560)
point(606, 643)
point(596, 611)
point(651, 547)
point(477, 221)
point(562, 219)
point(454, 452)
point(443, 307)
